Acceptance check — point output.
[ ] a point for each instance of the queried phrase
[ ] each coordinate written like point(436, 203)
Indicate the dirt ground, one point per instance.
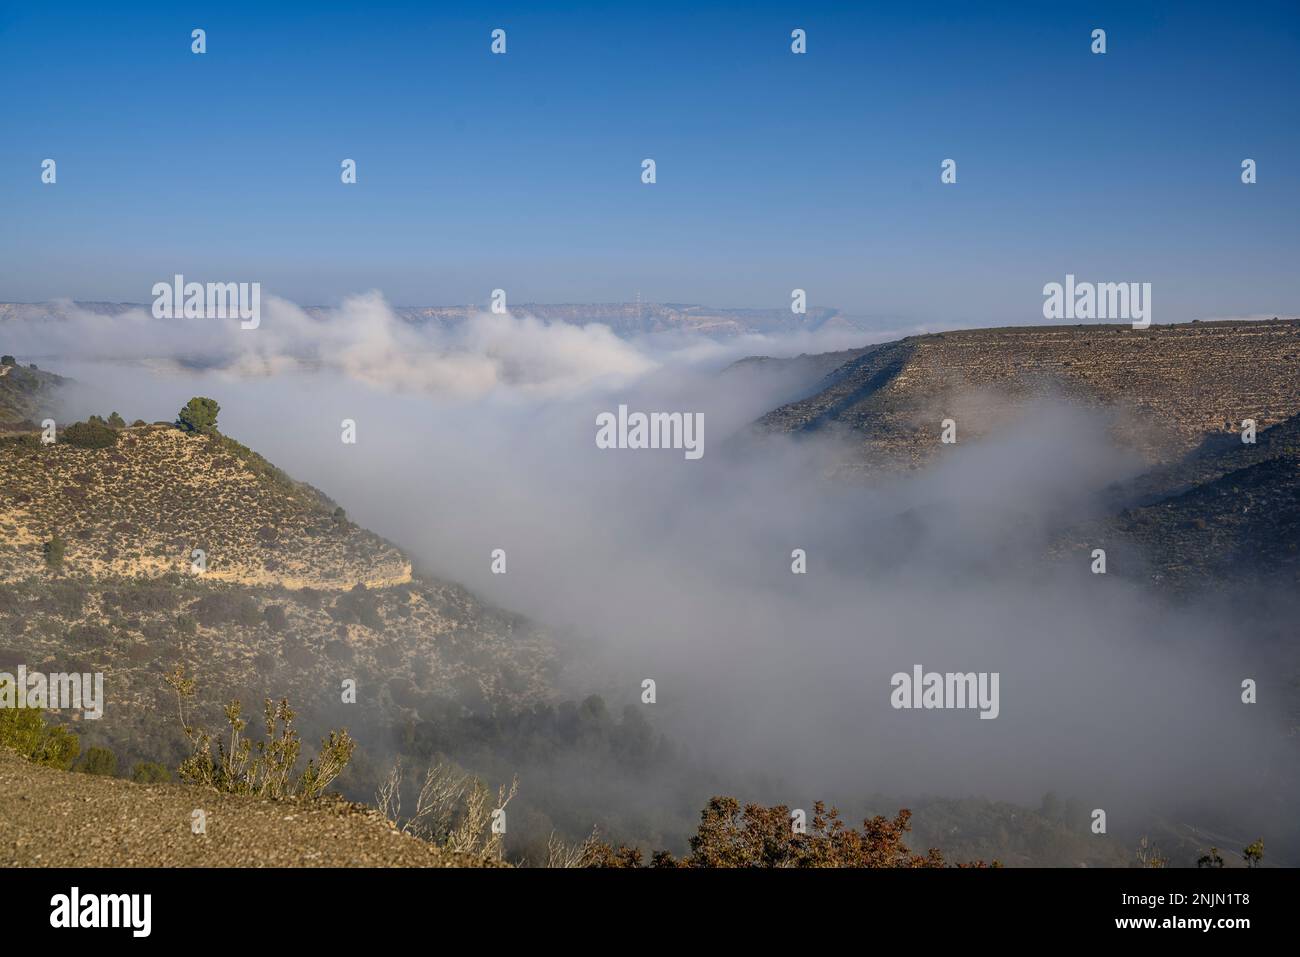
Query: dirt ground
point(51, 818)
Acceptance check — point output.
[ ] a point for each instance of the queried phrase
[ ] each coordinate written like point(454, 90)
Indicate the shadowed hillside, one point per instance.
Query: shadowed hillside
point(1229, 512)
point(24, 394)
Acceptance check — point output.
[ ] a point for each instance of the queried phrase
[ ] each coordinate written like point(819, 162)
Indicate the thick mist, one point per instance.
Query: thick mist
point(644, 564)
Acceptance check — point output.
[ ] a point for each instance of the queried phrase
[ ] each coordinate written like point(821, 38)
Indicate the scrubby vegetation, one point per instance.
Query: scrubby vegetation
point(457, 811)
point(265, 769)
point(756, 836)
point(25, 394)
point(150, 772)
point(90, 434)
point(307, 598)
point(98, 761)
point(27, 732)
point(453, 810)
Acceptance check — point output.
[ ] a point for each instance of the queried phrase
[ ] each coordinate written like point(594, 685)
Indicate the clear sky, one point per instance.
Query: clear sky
point(775, 170)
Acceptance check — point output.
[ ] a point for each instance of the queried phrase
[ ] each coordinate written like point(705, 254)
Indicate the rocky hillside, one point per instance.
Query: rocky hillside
point(1227, 513)
point(1210, 511)
point(24, 394)
point(141, 507)
point(1174, 385)
point(52, 818)
point(295, 599)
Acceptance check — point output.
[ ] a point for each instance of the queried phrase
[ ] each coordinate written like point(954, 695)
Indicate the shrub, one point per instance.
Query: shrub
point(8, 361)
point(275, 617)
point(89, 635)
point(11, 600)
point(54, 550)
point(296, 654)
point(65, 599)
point(1253, 855)
point(135, 599)
point(267, 770)
point(26, 732)
point(150, 772)
point(339, 650)
point(199, 416)
point(452, 809)
point(223, 608)
point(758, 836)
point(99, 761)
point(357, 605)
point(115, 421)
point(89, 435)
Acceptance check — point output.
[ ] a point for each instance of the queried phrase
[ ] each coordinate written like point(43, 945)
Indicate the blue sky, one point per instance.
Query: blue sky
point(775, 171)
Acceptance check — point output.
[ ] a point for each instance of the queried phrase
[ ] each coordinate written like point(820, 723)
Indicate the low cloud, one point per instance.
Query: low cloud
point(646, 564)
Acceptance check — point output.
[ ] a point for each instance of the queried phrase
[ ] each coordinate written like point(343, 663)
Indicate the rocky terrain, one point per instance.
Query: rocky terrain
point(815, 369)
point(1210, 510)
point(24, 395)
point(143, 506)
point(1171, 386)
point(1228, 513)
point(295, 599)
point(52, 818)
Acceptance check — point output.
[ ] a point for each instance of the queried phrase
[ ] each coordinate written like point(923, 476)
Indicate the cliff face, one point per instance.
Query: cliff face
point(143, 506)
point(1173, 385)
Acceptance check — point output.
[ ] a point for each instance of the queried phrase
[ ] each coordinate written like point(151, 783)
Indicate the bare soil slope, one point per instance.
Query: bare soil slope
point(51, 818)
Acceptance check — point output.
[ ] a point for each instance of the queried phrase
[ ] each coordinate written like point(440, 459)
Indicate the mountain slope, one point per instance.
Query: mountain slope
point(24, 394)
point(1173, 384)
point(143, 506)
point(295, 601)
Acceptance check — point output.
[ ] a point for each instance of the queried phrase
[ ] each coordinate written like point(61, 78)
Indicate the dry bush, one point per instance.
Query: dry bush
point(560, 853)
point(758, 836)
point(453, 809)
point(265, 769)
